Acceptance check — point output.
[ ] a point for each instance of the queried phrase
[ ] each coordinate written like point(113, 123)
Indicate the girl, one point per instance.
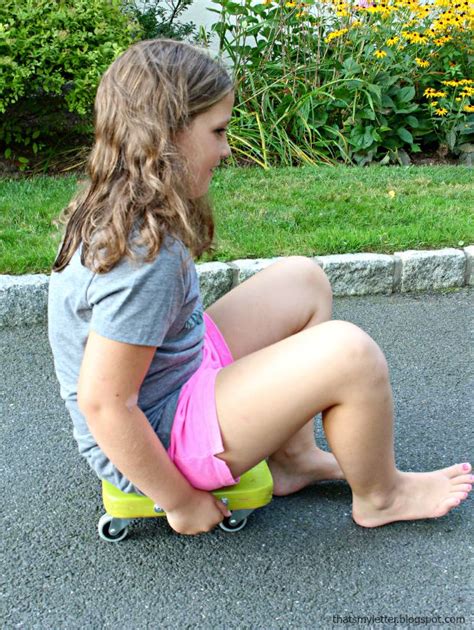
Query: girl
point(173, 402)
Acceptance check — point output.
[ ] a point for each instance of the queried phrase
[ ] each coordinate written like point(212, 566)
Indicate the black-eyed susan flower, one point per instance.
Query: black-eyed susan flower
point(336, 34)
point(442, 111)
point(380, 54)
point(432, 93)
point(422, 63)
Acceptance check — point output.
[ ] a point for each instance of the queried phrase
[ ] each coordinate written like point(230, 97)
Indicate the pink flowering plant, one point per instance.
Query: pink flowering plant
point(357, 81)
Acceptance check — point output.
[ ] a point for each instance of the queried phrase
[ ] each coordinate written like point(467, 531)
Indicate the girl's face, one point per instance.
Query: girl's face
point(204, 143)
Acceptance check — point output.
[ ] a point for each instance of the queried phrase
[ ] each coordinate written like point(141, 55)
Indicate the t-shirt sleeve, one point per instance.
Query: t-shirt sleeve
point(137, 303)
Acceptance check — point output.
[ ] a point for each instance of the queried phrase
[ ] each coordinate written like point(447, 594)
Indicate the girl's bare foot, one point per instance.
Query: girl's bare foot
point(292, 473)
point(415, 496)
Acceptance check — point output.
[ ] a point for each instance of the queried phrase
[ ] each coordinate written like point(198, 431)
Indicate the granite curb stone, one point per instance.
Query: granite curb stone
point(359, 274)
point(23, 299)
point(215, 279)
point(248, 267)
point(424, 270)
point(469, 278)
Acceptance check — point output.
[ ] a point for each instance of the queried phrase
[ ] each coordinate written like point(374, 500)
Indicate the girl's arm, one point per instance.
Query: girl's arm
point(110, 378)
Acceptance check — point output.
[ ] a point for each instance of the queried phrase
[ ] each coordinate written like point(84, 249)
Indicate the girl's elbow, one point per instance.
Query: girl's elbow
point(95, 406)
point(90, 404)
point(87, 406)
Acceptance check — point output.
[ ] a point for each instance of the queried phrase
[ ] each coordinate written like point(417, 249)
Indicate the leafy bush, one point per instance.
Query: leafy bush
point(158, 19)
point(359, 81)
point(52, 54)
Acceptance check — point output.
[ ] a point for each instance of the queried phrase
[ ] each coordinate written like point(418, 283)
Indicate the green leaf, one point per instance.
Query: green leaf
point(406, 110)
point(406, 94)
point(376, 92)
point(387, 101)
point(451, 139)
point(405, 135)
point(412, 121)
point(351, 66)
point(367, 114)
point(392, 142)
point(363, 137)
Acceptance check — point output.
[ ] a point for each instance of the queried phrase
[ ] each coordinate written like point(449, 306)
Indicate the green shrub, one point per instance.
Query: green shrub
point(161, 19)
point(52, 54)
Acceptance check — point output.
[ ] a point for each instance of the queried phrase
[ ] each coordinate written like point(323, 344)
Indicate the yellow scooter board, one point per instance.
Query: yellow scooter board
point(253, 491)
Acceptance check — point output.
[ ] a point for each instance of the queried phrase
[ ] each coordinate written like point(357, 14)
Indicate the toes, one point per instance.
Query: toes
point(458, 469)
point(461, 487)
point(458, 495)
point(469, 479)
point(447, 505)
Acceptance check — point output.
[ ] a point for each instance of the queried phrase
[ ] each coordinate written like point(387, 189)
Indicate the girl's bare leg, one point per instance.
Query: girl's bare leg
point(268, 396)
point(286, 298)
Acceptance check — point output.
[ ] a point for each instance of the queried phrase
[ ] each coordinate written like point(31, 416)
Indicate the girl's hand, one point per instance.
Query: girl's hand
point(201, 514)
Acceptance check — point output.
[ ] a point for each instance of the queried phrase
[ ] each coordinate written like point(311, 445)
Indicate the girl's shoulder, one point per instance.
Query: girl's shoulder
point(138, 301)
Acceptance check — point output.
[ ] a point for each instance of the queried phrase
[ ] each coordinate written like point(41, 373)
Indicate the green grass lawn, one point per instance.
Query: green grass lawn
point(309, 211)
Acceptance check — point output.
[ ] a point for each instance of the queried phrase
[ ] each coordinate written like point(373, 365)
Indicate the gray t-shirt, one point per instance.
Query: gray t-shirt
point(150, 304)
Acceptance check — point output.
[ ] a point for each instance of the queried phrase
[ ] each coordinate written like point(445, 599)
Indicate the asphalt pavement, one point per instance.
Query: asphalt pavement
point(301, 562)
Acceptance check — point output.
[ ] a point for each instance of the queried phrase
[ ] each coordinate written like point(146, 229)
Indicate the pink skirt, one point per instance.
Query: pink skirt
point(195, 435)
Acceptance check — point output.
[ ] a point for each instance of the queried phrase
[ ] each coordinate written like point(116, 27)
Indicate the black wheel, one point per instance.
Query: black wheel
point(104, 530)
point(230, 527)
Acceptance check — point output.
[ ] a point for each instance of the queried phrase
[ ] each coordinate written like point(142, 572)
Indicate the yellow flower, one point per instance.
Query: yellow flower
point(391, 193)
point(441, 112)
point(392, 41)
point(440, 41)
point(467, 91)
point(290, 4)
point(433, 103)
point(335, 34)
point(421, 63)
point(380, 54)
point(432, 93)
point(469, 109)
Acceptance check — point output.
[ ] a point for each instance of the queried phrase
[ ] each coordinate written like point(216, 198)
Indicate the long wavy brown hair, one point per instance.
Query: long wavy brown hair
point(136, 189)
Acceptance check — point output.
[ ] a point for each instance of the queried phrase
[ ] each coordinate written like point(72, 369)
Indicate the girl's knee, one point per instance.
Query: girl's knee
point(306, 270)
point(360, 353)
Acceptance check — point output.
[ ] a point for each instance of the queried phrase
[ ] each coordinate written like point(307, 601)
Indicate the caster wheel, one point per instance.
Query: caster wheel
point(104, 530)
point(227, 526)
